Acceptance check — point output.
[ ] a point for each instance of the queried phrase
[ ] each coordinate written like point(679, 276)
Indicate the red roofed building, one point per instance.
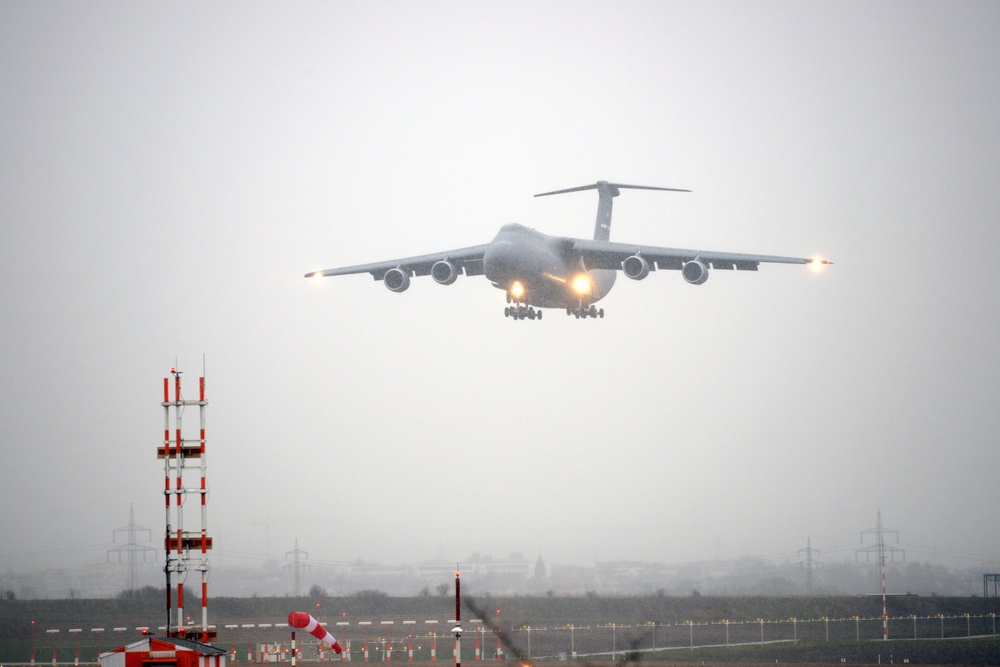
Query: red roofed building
point(164, 652)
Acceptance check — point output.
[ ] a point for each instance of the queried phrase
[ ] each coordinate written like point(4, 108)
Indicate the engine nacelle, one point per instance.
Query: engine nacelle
point(695, 272)
point(396, 280)
point(635, 267)
point(444, 272)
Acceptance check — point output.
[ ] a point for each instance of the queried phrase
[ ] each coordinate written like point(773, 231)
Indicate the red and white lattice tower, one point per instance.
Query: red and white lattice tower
point(187, 542)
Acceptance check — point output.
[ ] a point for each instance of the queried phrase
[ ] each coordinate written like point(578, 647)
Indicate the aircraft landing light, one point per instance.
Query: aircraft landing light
point(816, 264)
point(581, 284)
point(517, 289)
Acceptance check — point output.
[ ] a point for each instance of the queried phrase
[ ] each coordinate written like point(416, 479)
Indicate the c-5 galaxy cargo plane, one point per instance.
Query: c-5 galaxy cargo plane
point(539, 271)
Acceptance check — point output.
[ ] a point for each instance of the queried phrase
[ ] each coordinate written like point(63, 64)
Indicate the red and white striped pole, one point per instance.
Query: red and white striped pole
point(166, 491)
point(204, 518)
point(178, 491)
point(499, 644)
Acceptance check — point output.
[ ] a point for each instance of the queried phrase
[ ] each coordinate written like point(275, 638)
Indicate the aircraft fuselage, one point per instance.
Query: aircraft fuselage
point(542, 270)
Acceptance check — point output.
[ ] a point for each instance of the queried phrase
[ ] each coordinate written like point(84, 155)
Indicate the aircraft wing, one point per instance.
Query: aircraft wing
point(609, 255)
point(468, 260)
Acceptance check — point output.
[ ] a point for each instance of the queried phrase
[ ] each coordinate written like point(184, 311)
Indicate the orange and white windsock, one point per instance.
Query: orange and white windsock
point(304, 621)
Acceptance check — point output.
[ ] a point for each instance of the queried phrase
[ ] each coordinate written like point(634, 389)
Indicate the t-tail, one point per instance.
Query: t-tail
point(607, 193)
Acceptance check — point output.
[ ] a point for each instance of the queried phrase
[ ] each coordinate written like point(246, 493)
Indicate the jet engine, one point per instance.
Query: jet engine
point(444, 272)
point(635, 267)
point(396, 280)
point(695, 272)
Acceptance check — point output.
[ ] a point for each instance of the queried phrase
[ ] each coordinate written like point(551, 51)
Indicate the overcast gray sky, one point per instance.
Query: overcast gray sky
point(168, 172)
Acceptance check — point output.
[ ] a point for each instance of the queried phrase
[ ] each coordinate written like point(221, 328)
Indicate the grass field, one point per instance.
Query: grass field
point(648, 629)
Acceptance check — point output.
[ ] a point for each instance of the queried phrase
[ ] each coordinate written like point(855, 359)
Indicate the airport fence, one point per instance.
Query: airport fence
point(428, 640)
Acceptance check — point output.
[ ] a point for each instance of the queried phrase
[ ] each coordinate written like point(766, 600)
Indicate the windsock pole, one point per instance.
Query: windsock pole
point(458, 620)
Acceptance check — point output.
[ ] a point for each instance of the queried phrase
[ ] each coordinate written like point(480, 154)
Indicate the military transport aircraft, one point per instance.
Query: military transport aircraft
point(541, 271)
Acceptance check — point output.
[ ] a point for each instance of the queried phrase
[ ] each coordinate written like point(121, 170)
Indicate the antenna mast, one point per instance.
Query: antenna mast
point(185, 549)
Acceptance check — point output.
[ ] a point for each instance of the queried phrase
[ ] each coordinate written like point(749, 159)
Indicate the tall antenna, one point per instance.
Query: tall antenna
point(186, 542)
point(880, 549)
point(132, 548)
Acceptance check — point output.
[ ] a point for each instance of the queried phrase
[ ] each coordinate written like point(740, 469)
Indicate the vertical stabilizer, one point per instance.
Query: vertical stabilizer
point(607, 193)
point(602, 227)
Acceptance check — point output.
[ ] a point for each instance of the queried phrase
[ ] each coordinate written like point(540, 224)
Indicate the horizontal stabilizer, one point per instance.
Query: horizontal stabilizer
point(614, 187)
point(607, 193)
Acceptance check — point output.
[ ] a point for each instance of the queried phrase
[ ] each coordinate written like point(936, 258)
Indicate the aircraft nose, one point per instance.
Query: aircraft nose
point(500, 262)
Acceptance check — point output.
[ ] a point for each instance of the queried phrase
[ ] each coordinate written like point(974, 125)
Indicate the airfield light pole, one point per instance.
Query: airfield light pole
point(76, 646)
point(433, 635)
point(499, 643)
point(97, 636)
point(53, 632)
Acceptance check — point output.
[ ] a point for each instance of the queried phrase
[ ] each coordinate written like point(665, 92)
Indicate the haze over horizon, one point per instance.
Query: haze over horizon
point(171, 170)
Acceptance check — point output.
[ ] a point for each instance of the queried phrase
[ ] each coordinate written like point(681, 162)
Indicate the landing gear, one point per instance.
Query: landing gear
point(522, 312)
point(583, 312)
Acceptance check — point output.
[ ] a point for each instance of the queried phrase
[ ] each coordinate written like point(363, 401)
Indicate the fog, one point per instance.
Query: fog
point(170, 171)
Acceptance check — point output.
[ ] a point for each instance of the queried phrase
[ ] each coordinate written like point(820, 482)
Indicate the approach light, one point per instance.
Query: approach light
point(517, 289)
point(582, 284)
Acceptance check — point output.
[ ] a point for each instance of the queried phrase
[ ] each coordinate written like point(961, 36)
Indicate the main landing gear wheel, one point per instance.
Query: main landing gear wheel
point(522, 312)
point(584, 313)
